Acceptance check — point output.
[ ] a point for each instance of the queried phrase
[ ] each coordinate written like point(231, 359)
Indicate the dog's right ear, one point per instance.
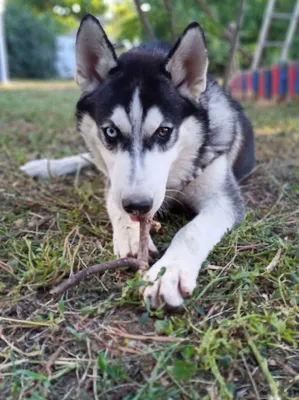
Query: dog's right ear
point(95, 55)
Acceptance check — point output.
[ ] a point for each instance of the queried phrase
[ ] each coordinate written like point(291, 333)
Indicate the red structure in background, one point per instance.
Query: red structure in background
point(249, 84)
point(292, 80)
point(261, 85)
point(281, 81)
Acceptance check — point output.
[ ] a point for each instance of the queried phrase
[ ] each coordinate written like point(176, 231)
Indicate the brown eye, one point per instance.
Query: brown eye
point(164, 132)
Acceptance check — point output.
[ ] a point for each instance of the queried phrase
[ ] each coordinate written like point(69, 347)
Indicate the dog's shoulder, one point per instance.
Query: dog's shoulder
point(225, 126)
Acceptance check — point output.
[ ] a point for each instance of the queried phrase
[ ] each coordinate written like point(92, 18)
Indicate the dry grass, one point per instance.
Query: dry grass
point(238, 335)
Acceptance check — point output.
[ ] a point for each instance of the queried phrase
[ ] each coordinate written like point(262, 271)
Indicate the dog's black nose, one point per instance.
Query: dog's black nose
point(137, 206)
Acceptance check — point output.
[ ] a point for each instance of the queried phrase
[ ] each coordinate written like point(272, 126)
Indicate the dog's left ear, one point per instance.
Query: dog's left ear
point(187, 62)
point(95, 55)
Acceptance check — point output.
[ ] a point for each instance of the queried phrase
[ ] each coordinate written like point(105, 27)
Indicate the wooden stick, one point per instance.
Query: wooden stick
point(145, 227)
point(141, 263)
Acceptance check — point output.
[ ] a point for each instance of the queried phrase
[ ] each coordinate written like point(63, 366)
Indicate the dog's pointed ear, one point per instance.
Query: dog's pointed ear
point(187, 62)
point(95, 55)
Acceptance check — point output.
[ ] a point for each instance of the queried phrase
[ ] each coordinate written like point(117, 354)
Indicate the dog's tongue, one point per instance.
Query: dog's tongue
point(135, 218)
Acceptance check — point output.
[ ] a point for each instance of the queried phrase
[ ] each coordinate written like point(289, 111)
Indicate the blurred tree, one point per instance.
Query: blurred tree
point(64, 8)
point(124, 24)
point(66, 13)
point(165, 19)
point(167, 23)
point(30, 43)
point(143, 20)
point(169, 18)
point(234, 44)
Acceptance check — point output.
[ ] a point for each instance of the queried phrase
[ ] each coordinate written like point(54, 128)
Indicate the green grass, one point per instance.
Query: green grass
point(237, 337)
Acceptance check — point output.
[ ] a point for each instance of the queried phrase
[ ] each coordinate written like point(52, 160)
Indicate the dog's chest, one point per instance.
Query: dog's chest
point(179, 184)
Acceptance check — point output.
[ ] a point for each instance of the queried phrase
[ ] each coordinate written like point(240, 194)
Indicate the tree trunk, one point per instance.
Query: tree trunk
point(226, 35)
point(3, 57)
point(204, 6)
point(144, 21)
point(169, 10)
point(234, 43)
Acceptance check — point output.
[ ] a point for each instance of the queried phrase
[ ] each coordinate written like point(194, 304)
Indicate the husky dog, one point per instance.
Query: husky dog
point(158, 127)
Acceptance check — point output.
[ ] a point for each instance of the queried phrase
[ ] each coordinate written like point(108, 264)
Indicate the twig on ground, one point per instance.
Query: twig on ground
point(214, 267)
point(248, 247)
point(6, 267)
point(141, 263)
point(51, 361)
point(273, 264)
point(251, 378)
point(95, 269)
point(164, 339)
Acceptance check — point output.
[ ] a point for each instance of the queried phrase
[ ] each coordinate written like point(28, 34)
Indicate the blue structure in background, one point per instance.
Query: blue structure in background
point(255, 81)
point(297, 80)
point(283, 80)
point(268, 84)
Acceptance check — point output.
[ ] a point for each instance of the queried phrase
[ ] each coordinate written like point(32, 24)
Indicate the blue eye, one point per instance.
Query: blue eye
point(111, 132)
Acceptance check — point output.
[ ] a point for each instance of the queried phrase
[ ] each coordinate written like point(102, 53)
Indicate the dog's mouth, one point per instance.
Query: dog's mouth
point(135, 218)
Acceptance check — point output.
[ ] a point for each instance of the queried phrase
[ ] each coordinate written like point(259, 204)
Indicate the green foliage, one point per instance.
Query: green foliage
point(183, 370)
point(30, 43)
point(69, 7)
point(65, 14)
point(110, 371)
point(125, 25)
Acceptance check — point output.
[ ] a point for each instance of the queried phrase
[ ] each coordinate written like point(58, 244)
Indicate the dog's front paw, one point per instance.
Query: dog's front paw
point(172, 281)
point(126, 240)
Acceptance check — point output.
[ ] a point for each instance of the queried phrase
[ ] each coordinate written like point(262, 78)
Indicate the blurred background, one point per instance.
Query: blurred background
point(40, 34)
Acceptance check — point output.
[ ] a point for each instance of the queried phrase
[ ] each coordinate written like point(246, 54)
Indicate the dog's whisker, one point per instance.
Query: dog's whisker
point(163, 209)
point(174, 199)
point(177, 191)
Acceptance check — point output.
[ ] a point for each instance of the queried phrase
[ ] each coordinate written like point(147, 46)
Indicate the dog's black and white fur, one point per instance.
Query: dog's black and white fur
point(160, 128)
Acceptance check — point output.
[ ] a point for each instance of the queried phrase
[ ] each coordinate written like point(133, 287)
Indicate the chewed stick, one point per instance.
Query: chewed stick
point(141, 263)
point(142, 257)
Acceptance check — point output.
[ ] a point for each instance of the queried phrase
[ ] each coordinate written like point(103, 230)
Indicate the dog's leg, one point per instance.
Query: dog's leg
point(216, 197)
point(50, 168)
point(125, 232)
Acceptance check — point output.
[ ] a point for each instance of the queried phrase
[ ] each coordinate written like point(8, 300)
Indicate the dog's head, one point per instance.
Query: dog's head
point(136, 113)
